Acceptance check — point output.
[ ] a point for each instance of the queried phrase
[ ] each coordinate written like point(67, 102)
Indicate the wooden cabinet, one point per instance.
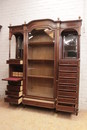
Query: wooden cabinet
point(45, 70)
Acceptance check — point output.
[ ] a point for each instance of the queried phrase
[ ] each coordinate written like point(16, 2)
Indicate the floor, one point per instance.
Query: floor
point(33, 118)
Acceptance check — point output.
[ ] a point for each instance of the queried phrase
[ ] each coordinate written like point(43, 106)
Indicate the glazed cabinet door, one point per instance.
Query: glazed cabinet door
point(40, 63)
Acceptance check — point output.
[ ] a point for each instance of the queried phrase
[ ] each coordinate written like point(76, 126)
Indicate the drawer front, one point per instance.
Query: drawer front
point(13, 100)
point(68, 81)
point(65, 108)
point(14, 88)
point(67, 88)
point(67, 75)
point(67, 69)
point(67, 94)
point(68, 62)
point(14, 94)
point(67, 100)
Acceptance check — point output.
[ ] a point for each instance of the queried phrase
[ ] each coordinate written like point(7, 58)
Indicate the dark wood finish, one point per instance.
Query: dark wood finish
point(13, 94)
point(14, 79)
point(14, 61)
point(12, 100)
point(39, 103)
point(0, 27)
point(14, 88)
point(49, 68)
point(65, 108)
point(68, 85)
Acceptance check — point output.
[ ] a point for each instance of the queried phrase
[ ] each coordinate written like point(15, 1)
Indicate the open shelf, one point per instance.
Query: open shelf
point(41, 60)
point(40, 63)
point(40, 43)
point(40, 76)
point(41, 52)
point(40, 69)
point(15, 61)
point(41, 86)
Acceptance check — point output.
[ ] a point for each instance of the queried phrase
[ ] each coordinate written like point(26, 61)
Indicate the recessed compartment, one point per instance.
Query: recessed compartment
point(42, 87)
point(40, 63)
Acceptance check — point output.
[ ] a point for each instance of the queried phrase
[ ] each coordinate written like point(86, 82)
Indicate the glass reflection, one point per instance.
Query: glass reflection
point(41, 35)
point(70, 45)
point(19, 50)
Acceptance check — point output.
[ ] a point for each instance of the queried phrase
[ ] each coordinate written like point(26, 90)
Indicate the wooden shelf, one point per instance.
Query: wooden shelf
point(40, 76)
point(40, 43)
point(15, 61)
point(41, 60)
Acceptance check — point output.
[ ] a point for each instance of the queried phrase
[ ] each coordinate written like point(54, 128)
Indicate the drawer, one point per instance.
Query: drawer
point(67, 94)
point(65, 108)
point(68, 69)
point(68, 81)
point(69, 62)
point(14, 94)
point(13, 100)
point(67, 75)
point(67, 100)
point(14, 88)
point(67, 88)
point(13, 83)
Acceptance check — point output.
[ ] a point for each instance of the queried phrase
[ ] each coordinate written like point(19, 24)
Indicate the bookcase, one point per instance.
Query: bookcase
point(14, 90)
point(45, 69)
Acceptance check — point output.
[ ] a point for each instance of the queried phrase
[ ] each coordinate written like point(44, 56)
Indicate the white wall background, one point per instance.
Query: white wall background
point(17, 11)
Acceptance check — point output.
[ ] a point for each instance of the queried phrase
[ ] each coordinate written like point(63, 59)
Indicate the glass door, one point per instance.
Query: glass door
point(40, 63)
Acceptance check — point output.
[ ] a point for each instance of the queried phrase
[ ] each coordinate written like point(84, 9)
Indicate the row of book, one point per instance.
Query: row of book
point(17, 74)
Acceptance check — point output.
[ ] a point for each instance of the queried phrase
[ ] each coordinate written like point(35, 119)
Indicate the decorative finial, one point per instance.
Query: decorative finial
point(79, 17)
point(9, 24)
point(24, 22)
point(0, 27)
point(58, 19)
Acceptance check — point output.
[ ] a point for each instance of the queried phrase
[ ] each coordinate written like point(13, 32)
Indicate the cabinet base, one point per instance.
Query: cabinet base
point(39, 103)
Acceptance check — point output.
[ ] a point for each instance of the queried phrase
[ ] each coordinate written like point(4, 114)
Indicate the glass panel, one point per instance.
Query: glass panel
point(40, 62)
point(19, 48)
point(70, 45)
point(41, 35)
point(16, 47)
point(13, 47)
